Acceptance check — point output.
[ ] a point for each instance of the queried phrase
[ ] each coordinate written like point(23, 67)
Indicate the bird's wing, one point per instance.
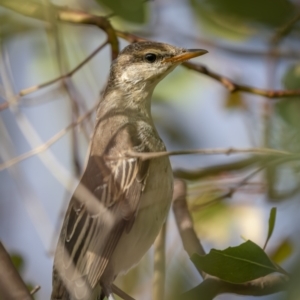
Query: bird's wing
point(90, 235)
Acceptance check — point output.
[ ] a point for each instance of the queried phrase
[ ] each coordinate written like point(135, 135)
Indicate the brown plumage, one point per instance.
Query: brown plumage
point(121, 202)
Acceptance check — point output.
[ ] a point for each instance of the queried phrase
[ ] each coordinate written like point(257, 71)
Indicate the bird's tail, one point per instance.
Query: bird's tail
point(74, 291)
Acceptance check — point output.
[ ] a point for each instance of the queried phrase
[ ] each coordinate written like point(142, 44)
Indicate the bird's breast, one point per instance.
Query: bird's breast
point(153, 210)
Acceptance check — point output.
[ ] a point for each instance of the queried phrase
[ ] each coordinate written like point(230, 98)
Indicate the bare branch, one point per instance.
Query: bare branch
point(121, 293)
point(235, 87)
point(212, 286)
point(231, 191)
point(217, 169)
point(226, 151)
point(185, 222)
point(35, 289)
point(12, 286)
point(47, 144)
point(34, 88)
point(284, 30)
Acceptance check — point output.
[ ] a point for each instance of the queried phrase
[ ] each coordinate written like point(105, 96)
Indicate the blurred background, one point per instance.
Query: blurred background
point(254, 43)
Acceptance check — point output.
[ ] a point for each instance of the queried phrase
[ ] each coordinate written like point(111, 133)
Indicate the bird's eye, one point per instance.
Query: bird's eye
point(150, 57)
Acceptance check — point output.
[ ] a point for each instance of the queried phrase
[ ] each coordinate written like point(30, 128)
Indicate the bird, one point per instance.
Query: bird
point(121, 201)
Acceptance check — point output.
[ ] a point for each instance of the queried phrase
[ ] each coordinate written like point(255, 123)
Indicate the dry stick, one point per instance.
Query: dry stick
point(159, 277)
point(35, 289)
point(47, 144)
point(121, 293)
point(231, 191)
point(12, 286)
point(272, 161)
point(234, 87)
point(214, 170)
point(225, 151)
point(32, 89)
point(145, 156)
point(185, 222)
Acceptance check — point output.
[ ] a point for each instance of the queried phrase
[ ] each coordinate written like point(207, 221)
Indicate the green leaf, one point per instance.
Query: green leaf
point(283, 251)
point(130, 10)
point(272, 219)
point(236, 264)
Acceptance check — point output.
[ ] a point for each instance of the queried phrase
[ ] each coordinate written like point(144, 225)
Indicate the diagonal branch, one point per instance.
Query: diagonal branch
point(12, 286)
point(185, 222)
point(34, 88)
point(235, 87)
point(46, 145)
point(225, 151)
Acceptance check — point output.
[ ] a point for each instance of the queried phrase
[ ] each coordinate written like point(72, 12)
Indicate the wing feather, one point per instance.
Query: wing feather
point(89, 238)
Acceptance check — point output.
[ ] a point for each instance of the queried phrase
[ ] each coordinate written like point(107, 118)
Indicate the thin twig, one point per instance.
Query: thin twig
point(225, 151)
point(230, 193)
point(218, 169)
point(235, 87)
point(284, 30)
point(35, 289)
point(47, 144)
point(34, 88)
point(121, 293)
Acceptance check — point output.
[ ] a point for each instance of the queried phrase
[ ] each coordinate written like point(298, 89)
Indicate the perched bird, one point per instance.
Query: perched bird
point(121, 202)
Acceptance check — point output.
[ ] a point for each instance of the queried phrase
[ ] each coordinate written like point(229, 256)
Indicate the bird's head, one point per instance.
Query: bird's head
point(144, 64)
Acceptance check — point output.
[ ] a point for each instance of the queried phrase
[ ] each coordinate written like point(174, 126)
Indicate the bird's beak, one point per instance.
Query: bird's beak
point(188, 54)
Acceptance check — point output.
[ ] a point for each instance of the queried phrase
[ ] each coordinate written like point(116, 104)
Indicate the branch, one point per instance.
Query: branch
point(185, 223)
point(225, 151)
point(217, 169)
point(35, 289)
point(12, 286)
point(47, 144)
point(284, 30)
point(121, 293)
point(235, 87)
point(212, 287)
point(231, 191)
point(34, 88)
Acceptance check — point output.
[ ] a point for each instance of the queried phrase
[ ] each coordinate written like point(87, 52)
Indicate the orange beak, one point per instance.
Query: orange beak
point(190, 53)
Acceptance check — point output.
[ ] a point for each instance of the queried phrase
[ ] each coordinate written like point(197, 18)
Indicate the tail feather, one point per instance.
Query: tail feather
point(73, 292)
